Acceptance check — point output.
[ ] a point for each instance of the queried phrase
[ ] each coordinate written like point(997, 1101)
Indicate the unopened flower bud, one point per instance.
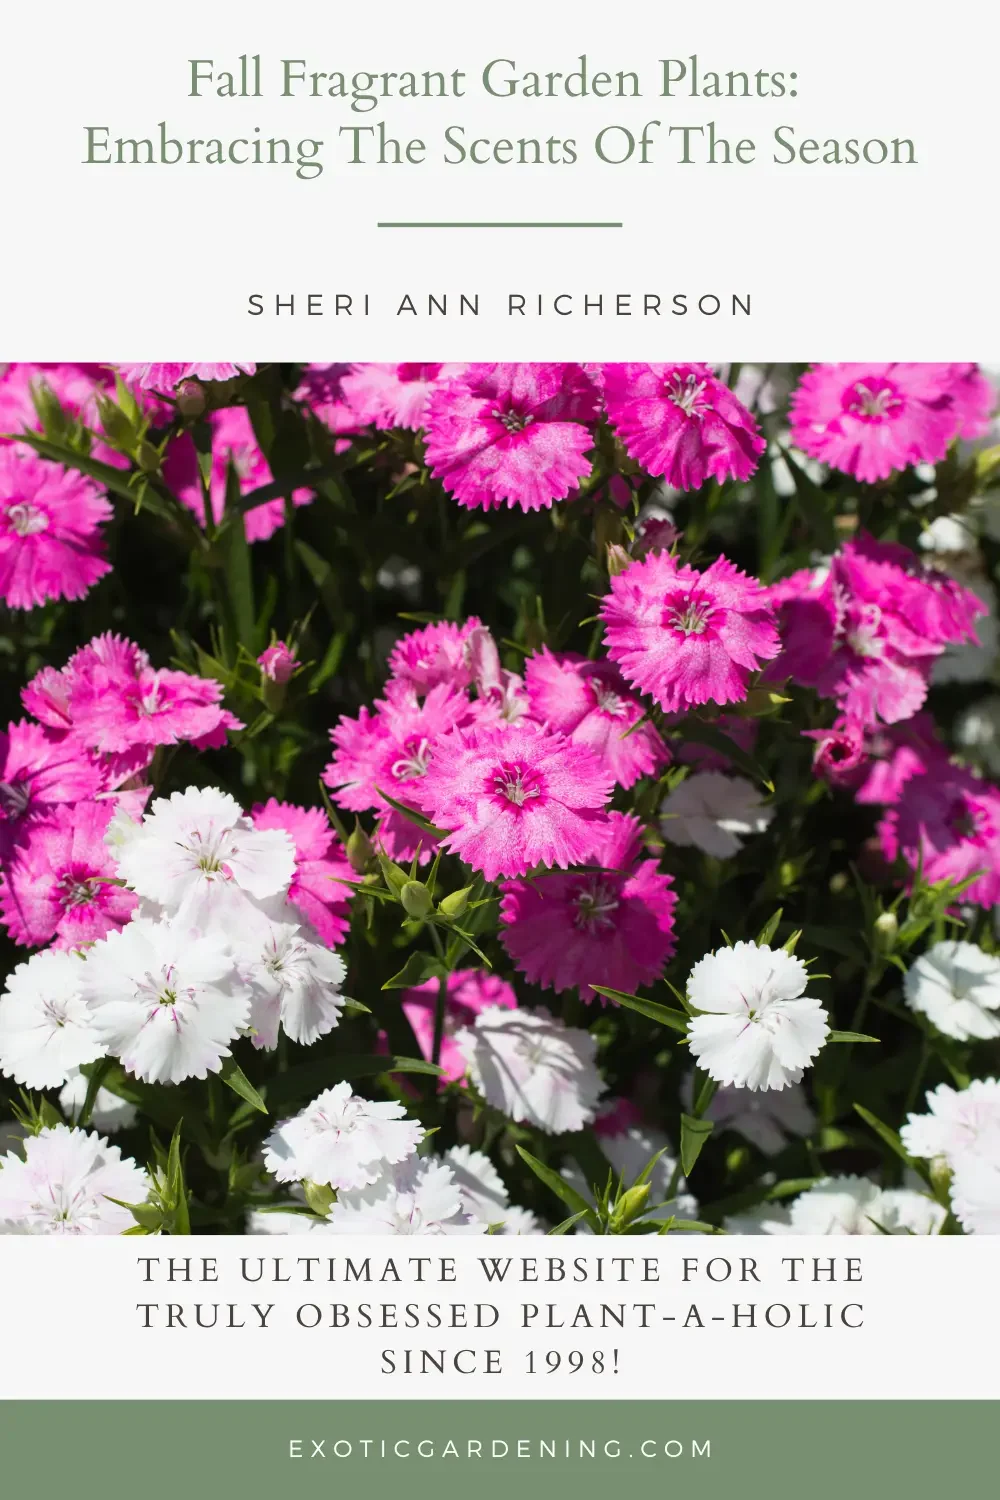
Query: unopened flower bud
point(360, 850)
point(147, 458)
point(277, 663)
point(190, 398)
point(416, 899)
point(631, 1203)
point(886, 927)
point(616, 559)
point(455, 905)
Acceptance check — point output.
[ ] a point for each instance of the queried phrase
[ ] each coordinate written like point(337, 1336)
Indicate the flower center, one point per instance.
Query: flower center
point(14, 797)
point(607, 700)
point(77, 890)
point(26, 519)
point(688, 394)
point(862, 634)
point(519, 784)
point(595, 906)
point(691, 616)
point(873, 401)
point(513, 421)
point(413, 762)
point(55, 1012)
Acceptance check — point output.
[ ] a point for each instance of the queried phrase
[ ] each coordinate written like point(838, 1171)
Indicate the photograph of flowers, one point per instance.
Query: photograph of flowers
point(499, 799)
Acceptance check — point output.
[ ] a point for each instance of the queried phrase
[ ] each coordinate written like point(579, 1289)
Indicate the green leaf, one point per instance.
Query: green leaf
point(694, 1134)
point(231, 543)
point(418, 968)
point(707, 734)
point(562, 1189)
point(851, 1036)
point(768, 930)
point(176, 1185)
point(664, 1014)
point(567, 1224)
point(887, 1134)
point(813, 504)
point(691, 1226)
point(232, 1074)
point(98, 1072)
point(412, 815)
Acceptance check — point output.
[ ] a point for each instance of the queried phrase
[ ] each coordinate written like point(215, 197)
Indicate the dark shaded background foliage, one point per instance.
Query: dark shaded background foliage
point(382, 549)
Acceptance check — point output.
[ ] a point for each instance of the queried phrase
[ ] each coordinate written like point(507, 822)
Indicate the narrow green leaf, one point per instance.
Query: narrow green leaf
point(707, 734)
point(98, 1072)
point(418, 968)
point(567, 1224)
point(562, 1189)
point(886, 1133)
point(664, 1014)
point(694, 1134)
point(768, 930)
point(851, 1036)
point(232, 1074)
point(412, 815)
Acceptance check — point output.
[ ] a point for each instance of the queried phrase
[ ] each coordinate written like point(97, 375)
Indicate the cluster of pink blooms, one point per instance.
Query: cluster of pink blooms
point(86, 753)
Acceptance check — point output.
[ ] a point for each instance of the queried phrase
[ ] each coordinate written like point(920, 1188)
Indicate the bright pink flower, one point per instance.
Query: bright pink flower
point(513, 797)
point(277, 663)
point(50, 540)
point(895, 753)
point(116, 710)
point(975, 400)
point(840, 751)
point(38, 772)
point(512, 434)
point(589, 702)
point(613, 927)
point(469, 991)
point(60, 887)
point(321, 866)
point(873, 419)
point(867, 630)
point(165, 377)
point(434, 655)
point(233, 442)
point(681, 422)
point(386, 396)
point(390, 751)
point(947, 823)
point(687, 637)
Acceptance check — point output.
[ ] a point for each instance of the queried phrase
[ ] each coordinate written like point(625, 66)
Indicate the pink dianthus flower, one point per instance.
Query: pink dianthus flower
point(507, 434)
point(321, 866)
point(514, 796)
point(975, 400)
point(434, 656)
point(50, 540)
point(38, 772)
point(687, 637)
point(871, 420)
point(233, 442)
point(385, 396)
point(613, 927)
point(681, 422)
point(590, 702)
point(322, 390)
point(121, 703)
point(165, 377)
point(946, 822)
point(469, 992)
point(60, 886)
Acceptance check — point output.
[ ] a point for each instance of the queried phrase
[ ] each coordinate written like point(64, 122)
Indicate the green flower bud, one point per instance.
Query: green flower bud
point(885, 929)
point(147, 458)
point(416, 899)
point(360, 851)
point(616, 559)
point(455, 905)
point(631, 1204)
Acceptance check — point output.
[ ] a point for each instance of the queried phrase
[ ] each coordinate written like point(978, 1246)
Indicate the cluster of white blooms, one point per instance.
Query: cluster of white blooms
point(214, 950)
point(756, 1028)
point(845, 1205)
point(961, 1132)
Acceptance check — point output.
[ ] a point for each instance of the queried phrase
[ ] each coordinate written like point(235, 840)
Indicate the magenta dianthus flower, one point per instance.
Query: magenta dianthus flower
point(39, 772)
point(514, 796)
point(321, 866)
point(590, 702)
point(512, 434)
point(469, 992)
point(122, 703)
point(165, 377)
point(435, 655)
point(50, 540)
point(871, 420)
point(613, 927)
point(687, 637)
point(946, 822)
point(681, 422)
point(385, 396)
point(60, 887)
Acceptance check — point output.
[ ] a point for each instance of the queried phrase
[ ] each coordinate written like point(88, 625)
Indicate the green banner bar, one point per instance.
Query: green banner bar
point(277, 1450)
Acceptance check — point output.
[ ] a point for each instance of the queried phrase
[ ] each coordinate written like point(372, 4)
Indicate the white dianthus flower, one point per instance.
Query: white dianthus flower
point(341, 1140)
point(767, 1119)
point(484, 1194)
point(533, 1068)
point(109, 1113)
point(975, 1185)
point(195, 846)
point(957, 987)
point(713, 813)
point(421, 1196)
point(294, 981)
point(758, 1029)
point(956, 1121)
point(763, 1218)
point(166, 1003)
point(854, 1205)
point(46, 1028)
point(65, 1183)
